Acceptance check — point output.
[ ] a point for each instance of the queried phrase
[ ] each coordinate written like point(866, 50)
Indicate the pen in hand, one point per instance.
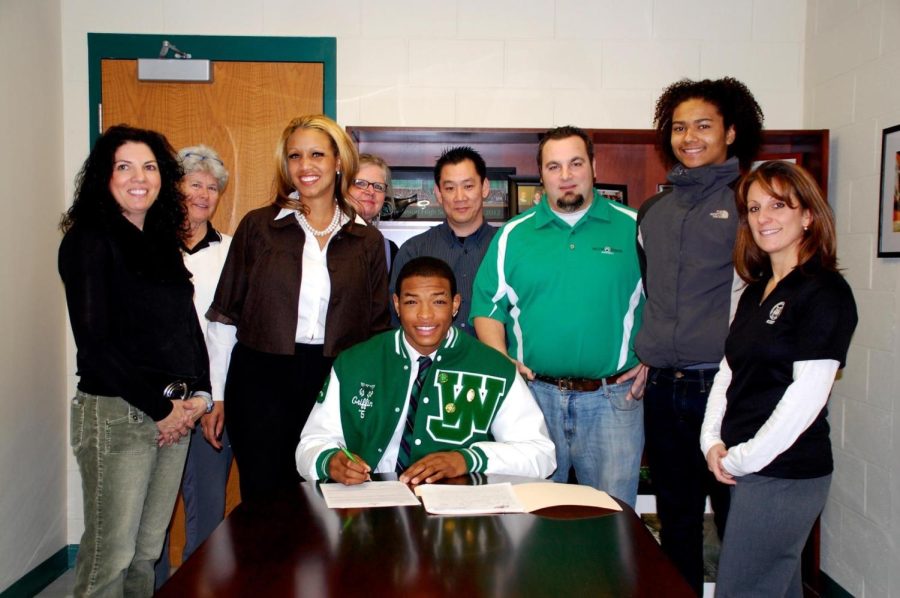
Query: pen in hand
point(350, 455)
point(354, 459)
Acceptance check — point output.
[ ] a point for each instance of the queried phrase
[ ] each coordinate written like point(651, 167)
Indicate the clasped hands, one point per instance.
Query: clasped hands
point(428, 469)
point(180, 420)
point(714, 462)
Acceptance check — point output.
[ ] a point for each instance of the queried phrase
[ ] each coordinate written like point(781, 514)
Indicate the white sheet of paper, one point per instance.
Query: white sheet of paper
point(441, 499)
point(368, 494)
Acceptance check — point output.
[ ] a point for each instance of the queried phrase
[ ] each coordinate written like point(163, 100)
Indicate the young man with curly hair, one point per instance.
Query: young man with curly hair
point(707, 130)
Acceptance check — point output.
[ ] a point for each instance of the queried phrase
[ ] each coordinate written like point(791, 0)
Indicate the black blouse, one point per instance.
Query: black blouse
point(130, 302)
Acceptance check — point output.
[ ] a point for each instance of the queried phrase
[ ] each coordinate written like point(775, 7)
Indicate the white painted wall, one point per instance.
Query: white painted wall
point(852, 83)
point(32, 311)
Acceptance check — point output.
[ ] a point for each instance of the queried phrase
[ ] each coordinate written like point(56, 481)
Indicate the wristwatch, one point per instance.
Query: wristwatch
point(206, 397)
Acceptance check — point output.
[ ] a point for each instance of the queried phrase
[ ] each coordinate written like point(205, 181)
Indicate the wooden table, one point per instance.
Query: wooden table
point(293, 545)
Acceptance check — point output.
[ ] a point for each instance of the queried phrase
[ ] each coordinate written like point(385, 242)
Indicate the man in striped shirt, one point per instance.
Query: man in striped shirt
point(460, 186)
point(559, 291)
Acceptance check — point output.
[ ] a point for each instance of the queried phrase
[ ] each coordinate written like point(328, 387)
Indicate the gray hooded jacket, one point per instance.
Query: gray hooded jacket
point(685, 241)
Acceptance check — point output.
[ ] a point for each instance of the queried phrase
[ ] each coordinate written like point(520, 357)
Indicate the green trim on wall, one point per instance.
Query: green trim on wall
point(212, 47)
point(41, 576)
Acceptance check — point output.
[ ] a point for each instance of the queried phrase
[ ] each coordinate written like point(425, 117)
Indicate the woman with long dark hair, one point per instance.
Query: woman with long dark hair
point(304, 279)
point(141, 359)
point(765, 432)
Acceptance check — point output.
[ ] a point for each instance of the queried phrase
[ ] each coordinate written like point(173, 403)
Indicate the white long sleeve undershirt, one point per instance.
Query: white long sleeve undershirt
point(802, 402)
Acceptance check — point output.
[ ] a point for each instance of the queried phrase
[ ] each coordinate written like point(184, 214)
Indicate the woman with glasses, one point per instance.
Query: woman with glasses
point(368, 192)
point(142, 365)
point(304, 280)
point(765, 432)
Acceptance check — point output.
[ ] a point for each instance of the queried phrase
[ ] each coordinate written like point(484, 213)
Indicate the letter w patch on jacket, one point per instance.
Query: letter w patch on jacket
point(468, 403)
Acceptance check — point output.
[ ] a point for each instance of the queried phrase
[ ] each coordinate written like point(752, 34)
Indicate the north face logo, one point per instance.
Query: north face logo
point(468, 403)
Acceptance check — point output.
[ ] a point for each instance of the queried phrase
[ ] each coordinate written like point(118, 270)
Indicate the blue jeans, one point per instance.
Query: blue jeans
point(599, 433)
point(129, 487)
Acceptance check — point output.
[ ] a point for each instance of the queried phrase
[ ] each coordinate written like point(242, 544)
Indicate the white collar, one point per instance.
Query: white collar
point(413, 354)
point(284, 212)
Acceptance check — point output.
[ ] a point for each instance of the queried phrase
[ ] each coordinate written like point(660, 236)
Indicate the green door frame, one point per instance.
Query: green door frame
point(212, 47)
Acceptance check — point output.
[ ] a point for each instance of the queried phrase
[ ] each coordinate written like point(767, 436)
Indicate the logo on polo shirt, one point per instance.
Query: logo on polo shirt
point(468, 404)
point(775, 312)
point(720, 214)
point(607, 250)
point(363, 398)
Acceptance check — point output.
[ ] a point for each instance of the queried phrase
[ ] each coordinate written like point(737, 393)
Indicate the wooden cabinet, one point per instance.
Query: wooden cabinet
point(621, 156)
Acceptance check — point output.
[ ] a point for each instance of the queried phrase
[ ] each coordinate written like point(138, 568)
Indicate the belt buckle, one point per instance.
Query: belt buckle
point(176, 390)
point(566, 383)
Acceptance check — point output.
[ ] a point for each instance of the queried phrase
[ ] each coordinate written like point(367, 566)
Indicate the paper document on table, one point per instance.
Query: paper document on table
point(540, 495)
point(508, 498)
point(442, 499)
point(368, 494)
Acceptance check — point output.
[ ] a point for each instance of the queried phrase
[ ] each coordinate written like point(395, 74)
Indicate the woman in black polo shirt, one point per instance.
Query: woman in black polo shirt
point(765, 431)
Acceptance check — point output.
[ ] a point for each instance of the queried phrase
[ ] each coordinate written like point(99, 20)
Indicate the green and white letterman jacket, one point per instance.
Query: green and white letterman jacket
point(473, 401)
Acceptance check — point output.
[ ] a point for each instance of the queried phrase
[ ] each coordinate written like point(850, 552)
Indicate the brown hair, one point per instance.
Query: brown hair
point(796, 187)
point(565, 132)
point(342, 146)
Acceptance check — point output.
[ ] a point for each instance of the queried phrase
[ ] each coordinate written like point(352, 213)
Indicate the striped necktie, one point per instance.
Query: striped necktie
point(406, 438)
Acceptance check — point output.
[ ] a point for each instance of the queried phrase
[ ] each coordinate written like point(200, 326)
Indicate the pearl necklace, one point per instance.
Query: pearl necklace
point(335, 223)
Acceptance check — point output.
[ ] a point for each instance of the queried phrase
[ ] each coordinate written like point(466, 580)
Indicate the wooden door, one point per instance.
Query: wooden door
point(240, 114)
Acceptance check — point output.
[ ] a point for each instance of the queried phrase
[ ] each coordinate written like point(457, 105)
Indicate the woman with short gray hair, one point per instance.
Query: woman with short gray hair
point(204, 250)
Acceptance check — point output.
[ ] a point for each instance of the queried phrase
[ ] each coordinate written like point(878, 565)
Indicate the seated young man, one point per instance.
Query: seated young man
point(425, 401)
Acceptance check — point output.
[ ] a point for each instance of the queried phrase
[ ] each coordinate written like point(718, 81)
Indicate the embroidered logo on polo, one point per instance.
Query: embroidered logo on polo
point(467, 402)
point(775, 312)
point(607, 250)
point(363, 398)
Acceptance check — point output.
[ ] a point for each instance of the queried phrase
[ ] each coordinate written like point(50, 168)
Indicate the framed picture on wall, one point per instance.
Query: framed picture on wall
point(613, 191)
point(525, 191)
point(889, 207)
point(413, 189)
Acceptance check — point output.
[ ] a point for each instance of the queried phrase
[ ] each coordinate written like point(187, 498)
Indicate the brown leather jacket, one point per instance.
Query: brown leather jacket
point(259, 289)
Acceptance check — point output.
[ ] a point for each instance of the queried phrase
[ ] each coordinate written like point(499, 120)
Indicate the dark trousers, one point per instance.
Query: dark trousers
point(768, 525)
point(267, 401)
point(674, 404)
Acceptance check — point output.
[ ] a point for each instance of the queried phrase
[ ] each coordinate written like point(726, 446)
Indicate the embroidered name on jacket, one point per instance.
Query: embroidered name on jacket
point(720, 214)
point(775, 312)
point(468, 403)
point(363, 398)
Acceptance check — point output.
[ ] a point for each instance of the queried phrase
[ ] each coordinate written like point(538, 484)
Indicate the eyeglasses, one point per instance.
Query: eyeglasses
point(364, 184)
point(202, 157)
